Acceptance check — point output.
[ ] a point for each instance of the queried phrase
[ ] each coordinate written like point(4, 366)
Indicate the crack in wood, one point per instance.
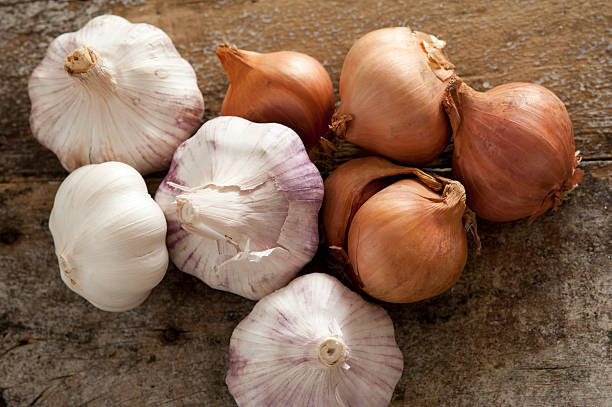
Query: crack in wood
point(550, 368)
point(20, 343)
point(39, 396)
point(9, 235)
point(90, 400)
point(161, 403)
point(170, 335)
point(487, 331)
point(63, 377)
point(598, 158)
point(12, 4)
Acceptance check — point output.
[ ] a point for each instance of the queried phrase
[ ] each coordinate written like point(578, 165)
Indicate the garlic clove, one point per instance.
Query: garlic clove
point(109, 236)
point(284, 87)
point(114, 91)
point(242, 200)
point(314, 343)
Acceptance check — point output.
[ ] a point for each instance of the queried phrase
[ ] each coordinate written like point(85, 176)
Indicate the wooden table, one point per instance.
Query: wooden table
point(528, 324)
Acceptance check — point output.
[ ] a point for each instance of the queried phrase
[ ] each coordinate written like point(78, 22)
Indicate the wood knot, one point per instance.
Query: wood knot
point(171, 335)
point(9, 235)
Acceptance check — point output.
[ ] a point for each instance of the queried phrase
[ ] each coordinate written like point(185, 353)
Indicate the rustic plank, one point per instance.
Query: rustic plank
point(561, 45)
point(528, 323)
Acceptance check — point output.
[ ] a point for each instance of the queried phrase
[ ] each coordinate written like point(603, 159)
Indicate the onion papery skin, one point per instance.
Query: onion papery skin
point(285, 87)
point(351, 184)
point(398, 231)
point(513, 149)
point(391, 90)
point(407, 244)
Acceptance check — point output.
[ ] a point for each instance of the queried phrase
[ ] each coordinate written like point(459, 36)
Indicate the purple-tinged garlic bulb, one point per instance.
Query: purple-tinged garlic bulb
point(242, 202)
point(314, 343)
point(114, 91)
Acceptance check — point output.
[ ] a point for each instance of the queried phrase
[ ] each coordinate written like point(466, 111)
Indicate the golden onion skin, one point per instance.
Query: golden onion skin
point(352, 184)
point(283, 87)
point(514, 149)
point(397, 232)
point(391, 89)
point(408, 243)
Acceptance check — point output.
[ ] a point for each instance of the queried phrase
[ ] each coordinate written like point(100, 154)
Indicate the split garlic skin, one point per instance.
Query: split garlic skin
point(242, 201)
point(114, 91)
point(109, 236)
point(314, 343)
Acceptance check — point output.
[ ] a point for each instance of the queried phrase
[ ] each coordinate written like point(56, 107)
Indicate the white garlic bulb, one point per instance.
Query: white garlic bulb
point(242, 201)
point(114, 91)
point(314, 343)
point(109, 236)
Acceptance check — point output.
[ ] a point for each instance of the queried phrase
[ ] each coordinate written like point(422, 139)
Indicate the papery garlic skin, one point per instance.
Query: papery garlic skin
point(314, 343)
point(242, 201)
point(109, 236)
point(114, 91)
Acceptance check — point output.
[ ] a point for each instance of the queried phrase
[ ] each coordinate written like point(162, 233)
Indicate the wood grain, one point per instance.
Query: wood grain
point(561, 45)
point(529, 322)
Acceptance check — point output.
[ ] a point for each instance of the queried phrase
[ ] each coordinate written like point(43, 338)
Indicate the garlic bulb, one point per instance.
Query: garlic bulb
point(284, 87)
point(241, 200)
point(400, 231)
point(114, 91)
point(314, 343)
point(109, 236)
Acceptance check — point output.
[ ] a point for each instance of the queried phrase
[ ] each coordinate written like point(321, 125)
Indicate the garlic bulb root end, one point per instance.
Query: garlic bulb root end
point(65, 267)
point(332, 351)
point(80, 61)
point(339, 123)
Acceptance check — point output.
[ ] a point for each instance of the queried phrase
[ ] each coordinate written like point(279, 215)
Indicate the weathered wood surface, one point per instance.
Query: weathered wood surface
point(529, 322)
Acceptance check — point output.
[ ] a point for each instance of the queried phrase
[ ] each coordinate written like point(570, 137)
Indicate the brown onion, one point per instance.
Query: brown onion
point(284, 87)
point(391, 90)
point(514, 149)
point(400, 230)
